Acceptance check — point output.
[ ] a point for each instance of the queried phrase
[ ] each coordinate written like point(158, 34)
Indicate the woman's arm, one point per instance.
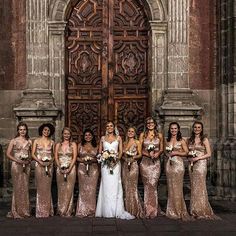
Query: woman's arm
point(100, 145)
point(207, 155)
point(53, 149)
point(120, 148)
point(78, 152)
point(139, 150)
point(9, 153)
point(124, 155)
point(56, 155)
point(157, 154)
point(144, 151)
point(74, 156)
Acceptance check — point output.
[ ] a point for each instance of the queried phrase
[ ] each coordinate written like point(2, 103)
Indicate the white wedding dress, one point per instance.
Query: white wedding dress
point(110, 198)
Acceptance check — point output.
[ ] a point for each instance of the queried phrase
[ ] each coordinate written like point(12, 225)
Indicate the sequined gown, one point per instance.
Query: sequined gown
point(20, 207)
point(66, 185)
point(176, 207)
point(150, 172)
point(130, 182)
point(86, 204)
point(44, 207)
point(199, 205)
point(110, 198)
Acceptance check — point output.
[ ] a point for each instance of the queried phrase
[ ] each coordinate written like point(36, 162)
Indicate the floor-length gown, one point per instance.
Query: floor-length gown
point(20, 207)
point(130, 175)
point(66, 185)
point(44, 207)
point(176, 207)
point(88, 180)
point(200, 207)
point(110, 198)
point(150, 170)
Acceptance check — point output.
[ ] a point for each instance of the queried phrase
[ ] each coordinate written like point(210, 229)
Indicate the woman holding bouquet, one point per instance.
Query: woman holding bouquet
point(150, 167)
point(130, 172)
point(176, 150)
point(88, 174)
point(110, 199)
point(18, 152)
point(42, 153)
point(65, 157)
point(200, 152)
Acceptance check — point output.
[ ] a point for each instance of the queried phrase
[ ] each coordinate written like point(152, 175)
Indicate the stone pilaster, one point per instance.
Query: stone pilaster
point(179, 104)
point(226, 146)
point(37, 104)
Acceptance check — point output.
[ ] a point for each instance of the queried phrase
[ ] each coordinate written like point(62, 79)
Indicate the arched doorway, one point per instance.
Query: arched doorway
point(107, 52)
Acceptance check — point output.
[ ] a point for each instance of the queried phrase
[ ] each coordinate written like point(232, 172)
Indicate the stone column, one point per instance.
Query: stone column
point(37, 104)
point(226, 145)
point(178, 104)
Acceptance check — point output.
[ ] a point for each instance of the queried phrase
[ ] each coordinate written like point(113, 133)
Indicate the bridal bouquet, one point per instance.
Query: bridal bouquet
point(192, 154)
point(169, 149)
point(64, 165)
point(151, 147)
point(108, 158)
point(46, 159)
point(87, 160)
point(24, 157)
point(130, 154)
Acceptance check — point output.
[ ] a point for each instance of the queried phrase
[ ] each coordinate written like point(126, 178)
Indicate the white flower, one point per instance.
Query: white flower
point(87, 158)
point(46, 158)
point(169, 148)
point(193, 153)
point(24, 156)
point(151, 147)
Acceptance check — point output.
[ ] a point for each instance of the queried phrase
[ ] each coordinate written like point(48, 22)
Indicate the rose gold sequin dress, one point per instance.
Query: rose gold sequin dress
point(66, 185)
point(44, 207)
point(130, 182)
point(86, 204)
point(199, 205)
point(150, 172)
point(176, 207)
point(20, 207)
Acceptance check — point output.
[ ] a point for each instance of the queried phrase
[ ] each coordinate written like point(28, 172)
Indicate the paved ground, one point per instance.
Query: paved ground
point(59, 226)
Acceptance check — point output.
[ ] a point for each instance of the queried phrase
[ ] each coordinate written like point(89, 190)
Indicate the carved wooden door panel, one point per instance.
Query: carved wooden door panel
point(107, 65)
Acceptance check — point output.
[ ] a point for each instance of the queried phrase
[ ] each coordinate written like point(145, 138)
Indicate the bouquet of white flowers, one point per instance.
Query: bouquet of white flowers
point(169, 149)
point(130, 155)
point(192, 154)
point(87, 160)
point(108, 158)
point(46, 159)
point(64, 165)
point(24, 157)
point(151, 147)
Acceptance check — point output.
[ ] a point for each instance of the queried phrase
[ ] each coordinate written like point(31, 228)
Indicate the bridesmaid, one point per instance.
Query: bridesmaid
point(130, 172)
point(176, 150)
point(88, 174)
point(199, 206)
point(150, 168)
point(18, 152)
point(42, 153)
point(65, 157)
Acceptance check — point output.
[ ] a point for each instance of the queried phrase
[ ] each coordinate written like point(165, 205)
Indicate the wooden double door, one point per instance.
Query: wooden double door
point(107, 52)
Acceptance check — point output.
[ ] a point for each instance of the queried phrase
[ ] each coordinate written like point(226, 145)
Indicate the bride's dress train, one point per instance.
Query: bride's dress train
point(110, 198)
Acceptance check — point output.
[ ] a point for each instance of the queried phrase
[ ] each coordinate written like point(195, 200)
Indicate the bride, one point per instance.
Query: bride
point(110, 198)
